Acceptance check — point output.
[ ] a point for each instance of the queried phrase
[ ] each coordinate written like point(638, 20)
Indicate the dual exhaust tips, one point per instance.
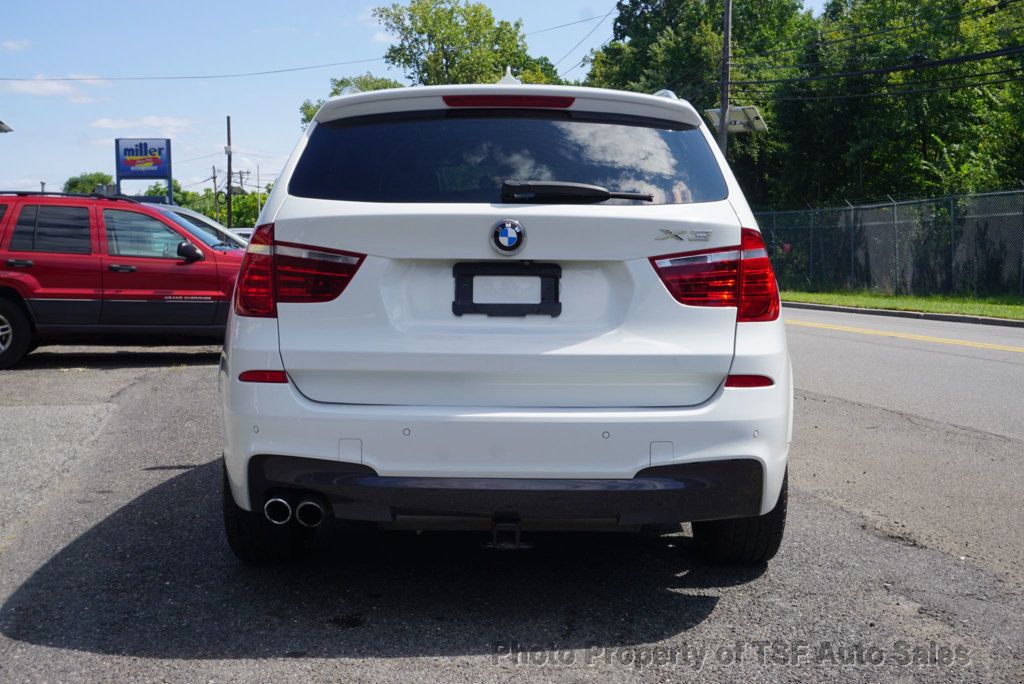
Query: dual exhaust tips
point(308, 513)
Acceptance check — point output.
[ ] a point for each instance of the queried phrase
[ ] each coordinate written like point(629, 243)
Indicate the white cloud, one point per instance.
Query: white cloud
point(381, 37)
point(15, 45)
point(42, 86)
point(20, 183)
point(166, 126)
point(98, 142)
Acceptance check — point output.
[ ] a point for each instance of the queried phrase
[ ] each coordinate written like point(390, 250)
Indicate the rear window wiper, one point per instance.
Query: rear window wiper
point(561, 192)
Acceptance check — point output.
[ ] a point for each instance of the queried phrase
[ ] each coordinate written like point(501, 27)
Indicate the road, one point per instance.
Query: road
point(905, 533)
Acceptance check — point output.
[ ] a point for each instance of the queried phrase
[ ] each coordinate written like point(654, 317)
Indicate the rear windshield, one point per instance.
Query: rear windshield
point(464, 156)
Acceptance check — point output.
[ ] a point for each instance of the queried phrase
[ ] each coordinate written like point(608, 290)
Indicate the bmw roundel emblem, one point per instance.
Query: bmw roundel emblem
point(508, 236)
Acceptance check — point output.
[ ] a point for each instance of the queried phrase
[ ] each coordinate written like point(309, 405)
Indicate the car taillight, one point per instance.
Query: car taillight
point(759, 291)
point(308, 274)
point(254, 291)
point(739, 276)
point(285, 272)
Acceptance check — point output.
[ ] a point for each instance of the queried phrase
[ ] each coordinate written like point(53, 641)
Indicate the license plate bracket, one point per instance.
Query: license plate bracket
point(549, 274)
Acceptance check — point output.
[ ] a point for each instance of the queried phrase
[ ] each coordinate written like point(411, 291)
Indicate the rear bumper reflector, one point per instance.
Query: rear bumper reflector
point(749, 381)
point(273, 376)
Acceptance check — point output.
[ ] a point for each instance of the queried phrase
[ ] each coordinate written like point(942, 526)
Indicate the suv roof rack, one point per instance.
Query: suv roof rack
point(91, 195)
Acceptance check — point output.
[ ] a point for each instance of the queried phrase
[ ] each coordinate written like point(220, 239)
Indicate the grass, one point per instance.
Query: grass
point(997, 307)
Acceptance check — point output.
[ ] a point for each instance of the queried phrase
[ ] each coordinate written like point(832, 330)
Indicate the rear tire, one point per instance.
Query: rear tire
point(744, 541)
point(256, 541)
point(15, 333)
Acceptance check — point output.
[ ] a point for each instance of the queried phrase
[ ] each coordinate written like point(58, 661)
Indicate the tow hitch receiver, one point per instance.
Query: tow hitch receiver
point(506, 535)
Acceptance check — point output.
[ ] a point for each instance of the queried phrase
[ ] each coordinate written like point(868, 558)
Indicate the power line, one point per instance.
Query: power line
point(746, 90)
point(959, 59)
point(1001, 5)
point(889, 93)
point(552, 28)
point(589, 33)
point(191, 76)
point(1012, 28)
point(189, 185)
point(580, 63)
point(268, 71)
point(205, 156)
point(685, 74)
point(257, 154)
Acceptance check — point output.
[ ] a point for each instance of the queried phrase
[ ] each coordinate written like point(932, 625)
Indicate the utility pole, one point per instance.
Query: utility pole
point(216, 204)
point(228, 151)
point(723, 117)
point(259, 204)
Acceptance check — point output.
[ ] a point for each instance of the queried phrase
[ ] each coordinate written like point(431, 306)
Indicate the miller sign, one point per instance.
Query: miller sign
point(143, 158)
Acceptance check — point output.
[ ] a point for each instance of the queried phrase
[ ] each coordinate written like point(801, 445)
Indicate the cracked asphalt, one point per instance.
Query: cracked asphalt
point(903, 559)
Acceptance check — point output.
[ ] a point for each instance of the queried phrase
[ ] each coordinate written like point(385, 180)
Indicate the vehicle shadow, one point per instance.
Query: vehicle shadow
point(113, 358)
point(156, 579)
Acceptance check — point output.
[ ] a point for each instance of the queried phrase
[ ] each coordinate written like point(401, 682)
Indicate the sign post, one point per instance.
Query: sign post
point(143, 158)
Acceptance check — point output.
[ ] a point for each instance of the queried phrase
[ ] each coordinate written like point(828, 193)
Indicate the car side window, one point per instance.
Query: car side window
point(51, 228)
point(130, 233)
point(3, 210)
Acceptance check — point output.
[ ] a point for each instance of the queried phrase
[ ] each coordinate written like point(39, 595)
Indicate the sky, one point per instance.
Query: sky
point(64, 128)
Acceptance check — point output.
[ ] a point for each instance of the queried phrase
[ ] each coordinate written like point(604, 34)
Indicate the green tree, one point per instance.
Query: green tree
point(456, 41)
point(842, 124)
point(677, 45)
point(183, 198)
point(936, 133)
point(364, 82)
point(85, 183)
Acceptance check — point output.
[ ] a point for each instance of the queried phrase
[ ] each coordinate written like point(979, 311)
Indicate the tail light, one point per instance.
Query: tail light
point(254, 291)
point(285, 272)
point(732, 276)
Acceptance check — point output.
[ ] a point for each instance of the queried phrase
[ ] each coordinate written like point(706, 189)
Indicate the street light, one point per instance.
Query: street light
point(4, 128)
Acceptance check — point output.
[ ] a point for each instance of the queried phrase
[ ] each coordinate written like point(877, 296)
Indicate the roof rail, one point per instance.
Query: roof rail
point(91, 195)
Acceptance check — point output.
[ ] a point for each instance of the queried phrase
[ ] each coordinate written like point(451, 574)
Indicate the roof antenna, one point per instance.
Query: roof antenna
point(508, 78)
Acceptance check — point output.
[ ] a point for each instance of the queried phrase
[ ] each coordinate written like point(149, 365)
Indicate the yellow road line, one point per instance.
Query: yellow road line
point(908, 336)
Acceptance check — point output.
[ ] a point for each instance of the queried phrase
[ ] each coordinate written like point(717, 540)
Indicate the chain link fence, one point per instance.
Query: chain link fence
point(963, 245)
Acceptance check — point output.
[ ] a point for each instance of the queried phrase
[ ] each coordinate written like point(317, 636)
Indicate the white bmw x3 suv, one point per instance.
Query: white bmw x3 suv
point(506, 306)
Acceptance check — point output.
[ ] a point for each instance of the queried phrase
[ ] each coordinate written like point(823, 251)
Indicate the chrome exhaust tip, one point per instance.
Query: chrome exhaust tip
point(277, 511)
point(309, 513)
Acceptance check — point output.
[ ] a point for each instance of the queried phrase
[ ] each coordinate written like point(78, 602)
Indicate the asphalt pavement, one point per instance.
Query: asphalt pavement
point(902, 559)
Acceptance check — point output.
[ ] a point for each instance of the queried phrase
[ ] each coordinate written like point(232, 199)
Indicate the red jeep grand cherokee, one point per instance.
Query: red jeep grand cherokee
point(74, 266)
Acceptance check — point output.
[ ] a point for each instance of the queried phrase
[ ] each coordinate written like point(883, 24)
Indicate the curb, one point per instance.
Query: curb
point(949, 318)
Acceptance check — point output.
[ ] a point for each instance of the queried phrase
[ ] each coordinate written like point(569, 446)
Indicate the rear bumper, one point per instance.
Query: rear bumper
point(495, 448)
point(663, 494)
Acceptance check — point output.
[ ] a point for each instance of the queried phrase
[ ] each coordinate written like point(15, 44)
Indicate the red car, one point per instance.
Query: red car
point(78, 266)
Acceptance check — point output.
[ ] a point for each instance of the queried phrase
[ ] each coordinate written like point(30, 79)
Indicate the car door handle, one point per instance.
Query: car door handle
point(122, 268)
point(19, 263)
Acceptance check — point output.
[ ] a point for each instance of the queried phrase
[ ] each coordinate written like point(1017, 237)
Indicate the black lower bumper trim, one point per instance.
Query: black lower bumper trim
point(706, 490)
